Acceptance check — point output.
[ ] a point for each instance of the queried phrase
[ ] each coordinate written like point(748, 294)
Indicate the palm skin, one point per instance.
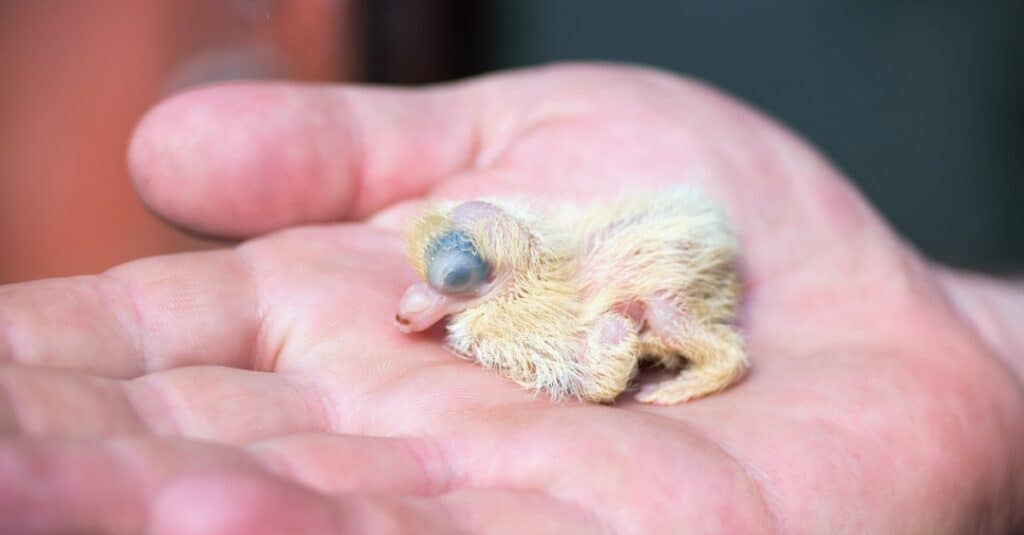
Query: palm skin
point(239, 390)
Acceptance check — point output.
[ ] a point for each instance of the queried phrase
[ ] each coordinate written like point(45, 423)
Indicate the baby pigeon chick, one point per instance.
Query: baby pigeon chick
point(570, 299)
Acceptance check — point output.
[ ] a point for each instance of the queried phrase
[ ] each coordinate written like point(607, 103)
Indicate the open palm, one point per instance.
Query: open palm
point(264, 389)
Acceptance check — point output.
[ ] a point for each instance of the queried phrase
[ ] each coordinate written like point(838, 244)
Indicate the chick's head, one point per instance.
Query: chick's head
point(465, 253)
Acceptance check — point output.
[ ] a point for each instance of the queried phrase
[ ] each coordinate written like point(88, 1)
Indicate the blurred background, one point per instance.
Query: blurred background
point(920, 106)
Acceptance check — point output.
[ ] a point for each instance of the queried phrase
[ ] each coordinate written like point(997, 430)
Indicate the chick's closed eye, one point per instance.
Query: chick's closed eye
point(454, 266)
point(454, 272)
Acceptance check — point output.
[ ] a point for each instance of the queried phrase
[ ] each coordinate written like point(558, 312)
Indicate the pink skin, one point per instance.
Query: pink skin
point(263, 388)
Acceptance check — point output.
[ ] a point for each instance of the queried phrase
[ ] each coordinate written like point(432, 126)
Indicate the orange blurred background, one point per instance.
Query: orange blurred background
point(77, 77)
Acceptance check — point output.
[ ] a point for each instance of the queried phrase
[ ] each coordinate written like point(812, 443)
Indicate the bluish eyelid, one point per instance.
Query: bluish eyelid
point(453, 240)
point(453, 263)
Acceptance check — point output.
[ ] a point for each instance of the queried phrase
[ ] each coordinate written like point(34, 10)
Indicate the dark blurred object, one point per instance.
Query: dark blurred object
point(413, 42)
point(77, 76)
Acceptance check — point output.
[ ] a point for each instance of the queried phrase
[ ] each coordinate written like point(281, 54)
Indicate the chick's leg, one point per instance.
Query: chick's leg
point(609, 358)
point(715, 354)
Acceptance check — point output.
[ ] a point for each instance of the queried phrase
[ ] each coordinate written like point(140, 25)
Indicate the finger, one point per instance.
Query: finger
point(243, 159)
point(226, 405)
point(555, 449)
point(993, 307)
point(245, 504)
point(204, 402)
point(334, 464)
point(49, 486)
point(327, 463)
point(111, 486)
point(145, 315)
point(48, 402)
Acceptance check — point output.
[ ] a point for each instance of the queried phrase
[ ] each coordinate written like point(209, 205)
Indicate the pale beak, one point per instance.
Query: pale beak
point(422, 306)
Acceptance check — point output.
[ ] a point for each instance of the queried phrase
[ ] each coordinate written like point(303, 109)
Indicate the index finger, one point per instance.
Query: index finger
point(142, 316)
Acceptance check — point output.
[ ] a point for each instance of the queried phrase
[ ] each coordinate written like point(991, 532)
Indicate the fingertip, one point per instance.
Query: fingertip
point(242, 159)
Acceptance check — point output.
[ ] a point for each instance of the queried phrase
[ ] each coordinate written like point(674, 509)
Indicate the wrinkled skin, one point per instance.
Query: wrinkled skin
point(238, 390)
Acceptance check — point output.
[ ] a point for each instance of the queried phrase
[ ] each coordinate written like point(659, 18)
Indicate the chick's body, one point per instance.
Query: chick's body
point(582, 294)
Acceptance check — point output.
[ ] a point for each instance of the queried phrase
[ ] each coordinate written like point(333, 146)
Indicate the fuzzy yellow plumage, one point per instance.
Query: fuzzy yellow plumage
point(570, 299)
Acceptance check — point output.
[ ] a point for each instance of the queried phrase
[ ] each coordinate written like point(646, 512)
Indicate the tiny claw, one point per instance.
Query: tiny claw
point(645, 392)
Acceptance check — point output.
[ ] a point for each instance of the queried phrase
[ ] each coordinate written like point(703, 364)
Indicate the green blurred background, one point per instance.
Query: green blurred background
point(919, 103)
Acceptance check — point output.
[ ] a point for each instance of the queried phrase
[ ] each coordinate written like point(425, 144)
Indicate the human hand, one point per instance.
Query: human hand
point(265, 388)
